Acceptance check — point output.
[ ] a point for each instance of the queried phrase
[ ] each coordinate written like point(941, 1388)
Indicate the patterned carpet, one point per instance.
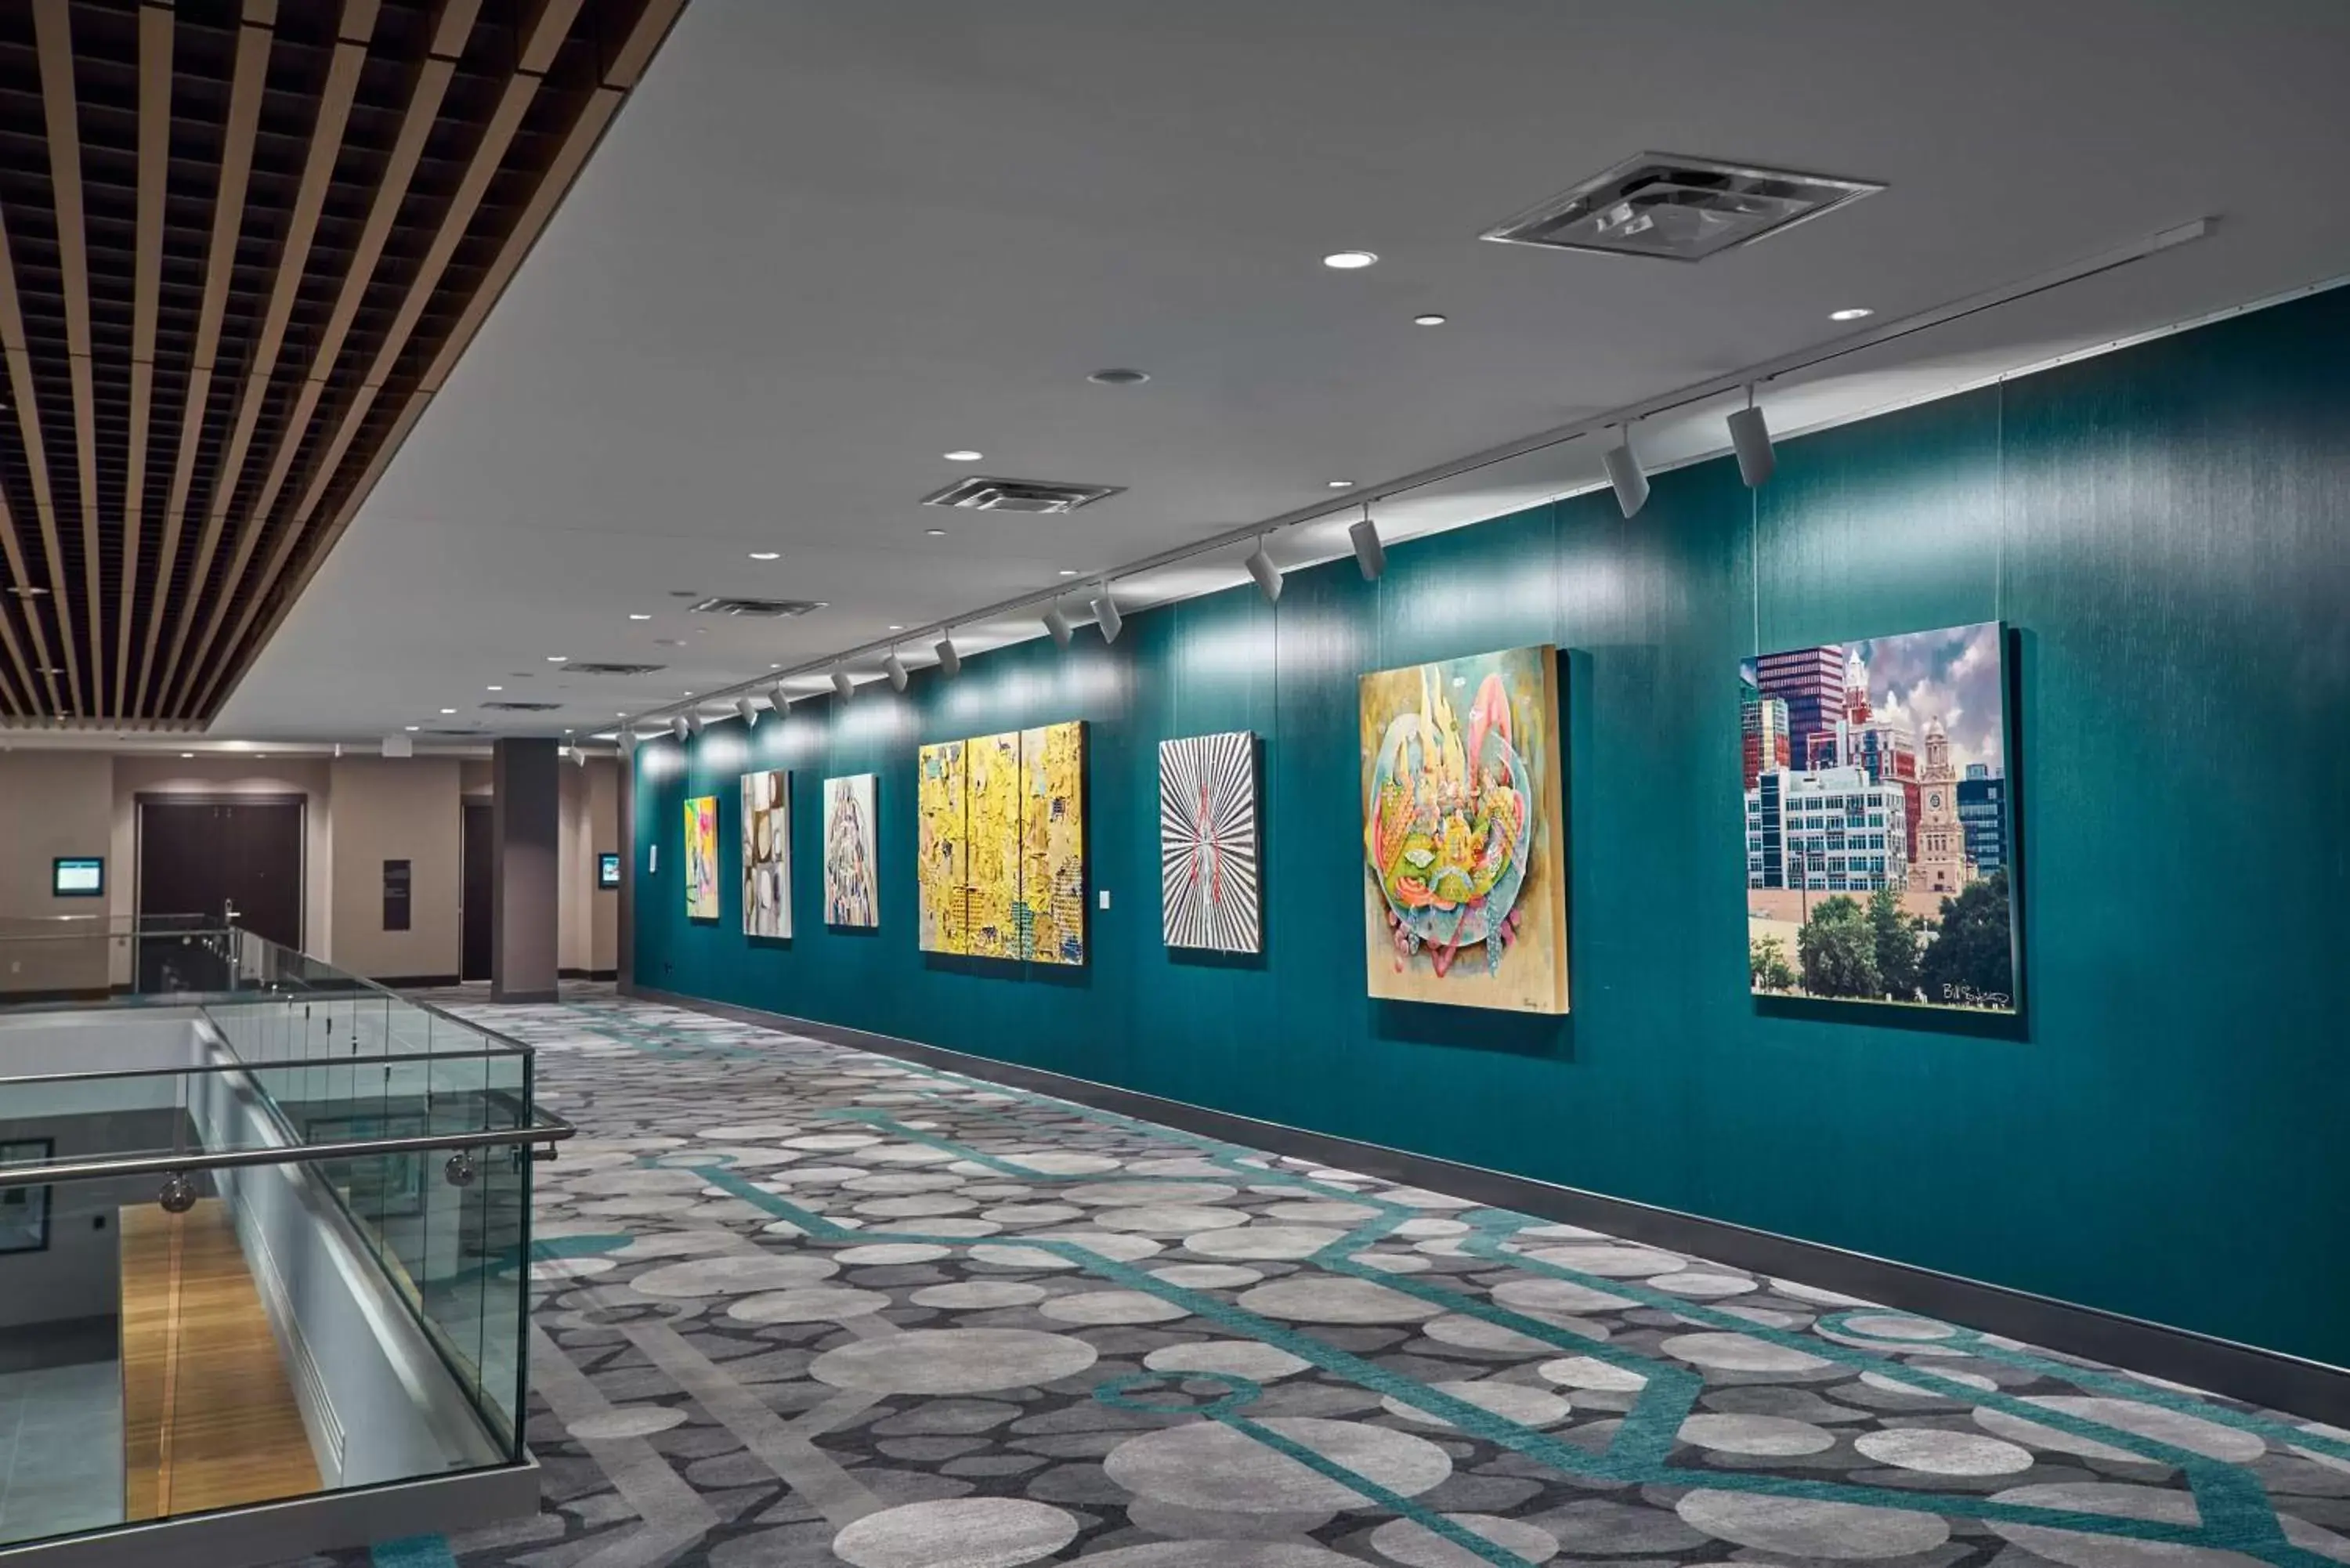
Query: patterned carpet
point(797, 1304)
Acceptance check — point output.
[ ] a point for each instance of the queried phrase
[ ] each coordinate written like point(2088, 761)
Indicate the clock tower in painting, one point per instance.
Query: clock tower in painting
point(1942, 864)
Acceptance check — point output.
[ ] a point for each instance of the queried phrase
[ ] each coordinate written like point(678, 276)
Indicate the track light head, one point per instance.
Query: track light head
point(1625, 473)
point(842, 684)
point(629, 743)
point(749, 708)
point(895, 668)
point(579, 755)
point(679, 728)
point(1057, 624)
point(1370, 553)
point(779, 699)
point(1107, 616)
point(949, 658)
point(1751, 439)
point(696, 722)
point(1267, 575)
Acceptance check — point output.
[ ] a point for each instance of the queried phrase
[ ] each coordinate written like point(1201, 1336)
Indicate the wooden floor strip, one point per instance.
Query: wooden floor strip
point(208, 1413)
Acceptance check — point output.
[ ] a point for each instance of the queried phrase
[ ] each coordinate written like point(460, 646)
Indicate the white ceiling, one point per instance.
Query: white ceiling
point(826, 244)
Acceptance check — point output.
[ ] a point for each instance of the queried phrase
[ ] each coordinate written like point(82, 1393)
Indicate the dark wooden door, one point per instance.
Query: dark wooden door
point(480, 879)
point(206, 856)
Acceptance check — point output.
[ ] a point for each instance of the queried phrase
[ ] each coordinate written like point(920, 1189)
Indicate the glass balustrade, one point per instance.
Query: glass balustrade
point(264, 1230)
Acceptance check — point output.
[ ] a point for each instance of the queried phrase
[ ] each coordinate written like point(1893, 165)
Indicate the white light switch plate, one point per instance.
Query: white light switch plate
point(1105, 897)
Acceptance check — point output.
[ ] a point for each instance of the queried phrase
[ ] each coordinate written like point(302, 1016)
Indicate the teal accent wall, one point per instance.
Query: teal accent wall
point(2166, 1135)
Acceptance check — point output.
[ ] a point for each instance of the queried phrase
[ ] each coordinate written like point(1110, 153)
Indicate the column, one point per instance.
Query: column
point(523, 819)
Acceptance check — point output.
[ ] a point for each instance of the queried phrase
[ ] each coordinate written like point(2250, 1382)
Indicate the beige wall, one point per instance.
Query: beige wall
point(397, 809)
point(587, 928)
point(53, 803)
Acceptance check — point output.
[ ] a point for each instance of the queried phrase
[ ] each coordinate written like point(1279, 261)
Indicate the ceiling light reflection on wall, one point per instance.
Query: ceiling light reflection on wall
point(949, 657)
point(1626, 476)
point(1350, 261)
point(1267, 575)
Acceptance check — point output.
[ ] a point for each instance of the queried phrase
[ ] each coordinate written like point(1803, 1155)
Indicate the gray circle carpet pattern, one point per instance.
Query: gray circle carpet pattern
point(797, 1304)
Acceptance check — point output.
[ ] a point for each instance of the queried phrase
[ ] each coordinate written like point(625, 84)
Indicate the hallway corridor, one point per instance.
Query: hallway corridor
point(798, 1304)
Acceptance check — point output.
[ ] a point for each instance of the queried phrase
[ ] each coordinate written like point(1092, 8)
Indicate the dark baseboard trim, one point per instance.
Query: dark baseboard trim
point(587, 974)
point(523, 998)
point(65, 993)
point(2265, 1377)
point(416, 982)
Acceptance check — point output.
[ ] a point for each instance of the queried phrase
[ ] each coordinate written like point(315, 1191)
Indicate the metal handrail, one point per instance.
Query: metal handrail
point(289, 1064)
point(553, 1130)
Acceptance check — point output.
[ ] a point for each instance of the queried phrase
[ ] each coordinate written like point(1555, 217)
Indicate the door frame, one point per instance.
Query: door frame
point(466, 805)
point(299, 800)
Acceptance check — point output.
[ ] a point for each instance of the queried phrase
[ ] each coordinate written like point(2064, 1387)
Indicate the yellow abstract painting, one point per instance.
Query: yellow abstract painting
point(1000, 821)
point(702, 857)
point(1464, 851)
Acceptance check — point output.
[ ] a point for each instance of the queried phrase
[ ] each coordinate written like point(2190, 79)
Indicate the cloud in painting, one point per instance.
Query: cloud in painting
point(1953, 674)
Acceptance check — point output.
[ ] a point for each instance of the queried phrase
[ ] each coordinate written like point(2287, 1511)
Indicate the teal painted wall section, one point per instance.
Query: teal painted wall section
point(2168, 530)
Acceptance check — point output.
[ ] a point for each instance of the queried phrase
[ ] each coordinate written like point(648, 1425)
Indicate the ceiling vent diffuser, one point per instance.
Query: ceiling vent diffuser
point(756, 609)
point(1678, 208)
point(586, 667)
point(979, 494)
point(521, 707)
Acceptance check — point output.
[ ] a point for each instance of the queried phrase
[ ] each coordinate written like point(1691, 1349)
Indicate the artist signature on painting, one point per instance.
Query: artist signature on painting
point(1960, 995)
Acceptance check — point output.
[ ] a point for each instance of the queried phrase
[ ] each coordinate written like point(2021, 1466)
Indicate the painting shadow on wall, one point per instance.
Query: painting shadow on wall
point(1068, 977)
point(1211, 957)
point(1547, 1035)
point(1984, 1026)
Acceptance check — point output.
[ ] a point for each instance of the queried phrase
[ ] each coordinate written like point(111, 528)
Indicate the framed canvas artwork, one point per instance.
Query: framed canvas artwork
point(767, 854)
point(1879, 842)
point(1208, 843)
point(1000, 833)
point(1464, 852)
point(851, 877)
point(702, 857)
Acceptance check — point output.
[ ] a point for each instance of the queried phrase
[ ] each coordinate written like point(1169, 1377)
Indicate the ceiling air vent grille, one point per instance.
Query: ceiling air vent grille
point(1678, 208)
point(521, 707)
point(758, 609)
point(979, 494)
point(587, 669)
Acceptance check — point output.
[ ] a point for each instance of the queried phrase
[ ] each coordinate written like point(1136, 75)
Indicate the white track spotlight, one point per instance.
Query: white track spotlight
point(629, 743)
point(843, 684)
point(696, 722)
point(1624, 472)
point(895, 668)
point(579, 755)
point(1267, 575)
point(679, 728)
point(1370, 553)
point(1057, 624)
point(749, 708)
point(949, 657)
point(1105, 615)
point(1752, 437)
point(779, 699)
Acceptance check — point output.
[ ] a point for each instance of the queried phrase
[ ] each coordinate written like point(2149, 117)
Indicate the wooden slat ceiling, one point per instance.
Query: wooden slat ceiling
point(242, 243)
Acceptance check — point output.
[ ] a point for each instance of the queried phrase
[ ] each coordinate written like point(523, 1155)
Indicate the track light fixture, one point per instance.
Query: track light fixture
point(1370, 553)
point(779, 699)
point(895, 668)
point(1057, 624)
point(949, 658)
point(1624, 472)
point(627, 743)
point(1105, 615)
point(748, 707)
point(679, 728)
point(1751, 439)
point(696, 722)
point(843, 684)
point(579, 755)
point(1267, 575)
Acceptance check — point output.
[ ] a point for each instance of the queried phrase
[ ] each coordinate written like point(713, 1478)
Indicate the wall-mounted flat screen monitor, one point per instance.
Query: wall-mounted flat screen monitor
point(608, 870)
point(77, 876)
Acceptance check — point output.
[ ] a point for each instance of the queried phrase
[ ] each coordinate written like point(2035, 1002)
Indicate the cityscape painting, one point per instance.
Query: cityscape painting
point(1464, 892)
point(1879, 845)
point(702, 857)
point(851, 881)
point(999, 845)
point(767, 854)
point(1207, 842)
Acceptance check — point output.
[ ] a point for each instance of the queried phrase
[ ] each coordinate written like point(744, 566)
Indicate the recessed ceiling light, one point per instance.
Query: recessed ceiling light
point(1118, 378)
point(1340, 483)
point(413, 727)
point(448, 709)
point(492, 687)
point(1851, 313)
point(936, 533)
point(186, 755)
point(1349, 261)
point(1069, 571)
point(964, 454)
point(1431, 318)
point(766, 554)
point(897, 628)
point(558, 658)
point(635, 615)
